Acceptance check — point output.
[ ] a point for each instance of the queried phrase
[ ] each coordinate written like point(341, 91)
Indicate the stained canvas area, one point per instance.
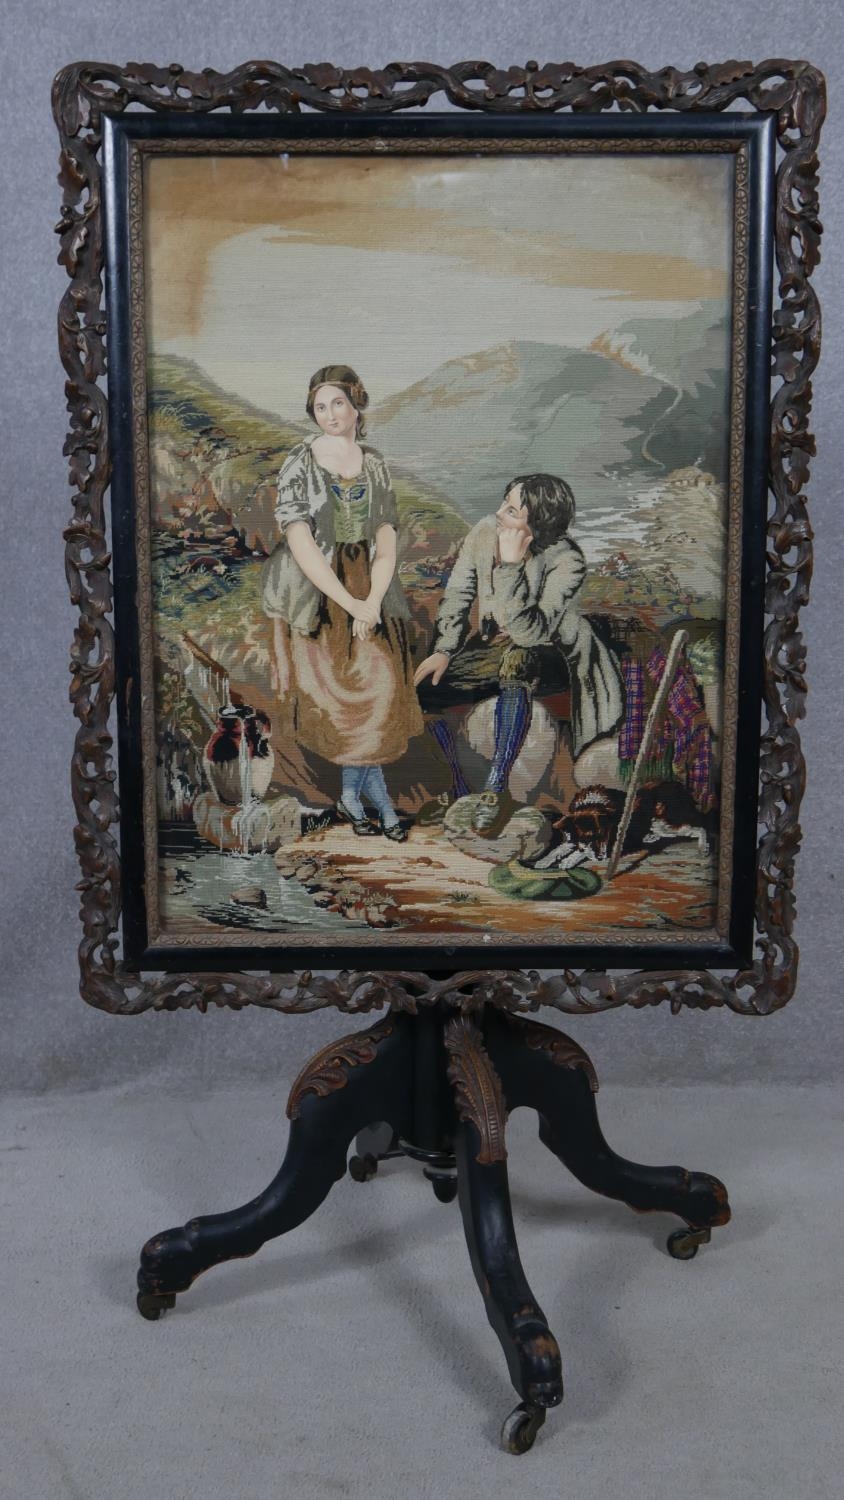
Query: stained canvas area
point(558, 316)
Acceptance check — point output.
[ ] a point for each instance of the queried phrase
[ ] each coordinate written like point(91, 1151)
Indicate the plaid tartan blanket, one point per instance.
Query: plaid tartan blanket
point(683, 733)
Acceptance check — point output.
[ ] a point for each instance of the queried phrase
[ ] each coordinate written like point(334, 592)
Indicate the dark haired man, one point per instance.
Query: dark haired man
point(525, 573)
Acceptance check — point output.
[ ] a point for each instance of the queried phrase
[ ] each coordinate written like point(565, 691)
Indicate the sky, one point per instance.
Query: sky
point(263, 268)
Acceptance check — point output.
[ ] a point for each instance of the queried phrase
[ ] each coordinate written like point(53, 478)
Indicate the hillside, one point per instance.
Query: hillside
point(214, 462)
point(209, 451)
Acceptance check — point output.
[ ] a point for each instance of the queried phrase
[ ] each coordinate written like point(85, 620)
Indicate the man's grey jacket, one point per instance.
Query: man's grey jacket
point(535, 603)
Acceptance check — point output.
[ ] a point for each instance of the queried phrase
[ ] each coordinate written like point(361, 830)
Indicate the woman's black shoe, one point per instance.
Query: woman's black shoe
point(361, 826)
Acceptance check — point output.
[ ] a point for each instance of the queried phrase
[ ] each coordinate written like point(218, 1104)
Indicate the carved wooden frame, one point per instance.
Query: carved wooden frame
point(792, 94)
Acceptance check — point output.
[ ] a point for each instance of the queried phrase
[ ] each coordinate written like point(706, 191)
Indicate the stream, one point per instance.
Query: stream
point(197, 881)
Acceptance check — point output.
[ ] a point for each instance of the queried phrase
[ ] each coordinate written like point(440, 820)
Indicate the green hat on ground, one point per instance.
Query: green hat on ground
point(525, 884)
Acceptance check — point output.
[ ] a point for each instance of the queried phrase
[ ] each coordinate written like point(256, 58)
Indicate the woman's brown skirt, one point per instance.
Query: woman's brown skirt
point(354, 702)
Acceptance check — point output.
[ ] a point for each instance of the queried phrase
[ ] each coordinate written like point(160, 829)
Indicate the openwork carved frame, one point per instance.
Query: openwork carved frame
point(792, 93)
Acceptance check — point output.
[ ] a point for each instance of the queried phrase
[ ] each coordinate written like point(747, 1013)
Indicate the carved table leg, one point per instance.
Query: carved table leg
point(348, 1084)
point(542, 1068)
point(531, 1350)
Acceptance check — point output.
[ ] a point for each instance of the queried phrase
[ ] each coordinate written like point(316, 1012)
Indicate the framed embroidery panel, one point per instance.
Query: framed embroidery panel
point(457, 529)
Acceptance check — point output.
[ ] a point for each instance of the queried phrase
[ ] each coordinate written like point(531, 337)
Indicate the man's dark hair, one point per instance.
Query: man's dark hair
point(550, 506)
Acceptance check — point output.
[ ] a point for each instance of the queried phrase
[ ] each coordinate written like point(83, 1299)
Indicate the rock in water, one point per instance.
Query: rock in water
point(264, 825)
point(249, 895)
point(284, 821)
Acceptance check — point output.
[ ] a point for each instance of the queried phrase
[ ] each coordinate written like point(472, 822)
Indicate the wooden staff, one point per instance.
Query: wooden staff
point(657, 706)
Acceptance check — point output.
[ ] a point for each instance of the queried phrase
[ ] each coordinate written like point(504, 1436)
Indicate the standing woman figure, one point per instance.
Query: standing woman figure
point(341, 639)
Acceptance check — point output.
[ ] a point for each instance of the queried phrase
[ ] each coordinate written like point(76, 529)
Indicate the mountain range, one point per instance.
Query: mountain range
point(650, 397)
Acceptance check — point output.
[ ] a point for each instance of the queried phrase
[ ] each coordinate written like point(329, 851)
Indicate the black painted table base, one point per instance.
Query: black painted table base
point(437, 1087)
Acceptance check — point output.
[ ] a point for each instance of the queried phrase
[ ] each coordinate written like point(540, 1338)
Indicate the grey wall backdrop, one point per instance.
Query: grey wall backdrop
point(50, 1038)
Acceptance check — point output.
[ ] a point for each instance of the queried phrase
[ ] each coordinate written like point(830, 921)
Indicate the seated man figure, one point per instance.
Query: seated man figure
point(525, 572)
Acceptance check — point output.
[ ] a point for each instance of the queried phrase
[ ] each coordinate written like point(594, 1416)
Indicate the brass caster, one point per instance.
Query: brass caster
point(518, 1433)
point(682, 1244)
point(152, 1304)
point(363, 1168)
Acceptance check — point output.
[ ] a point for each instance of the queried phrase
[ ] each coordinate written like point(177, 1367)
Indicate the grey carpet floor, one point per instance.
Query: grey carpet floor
point(354, 1358)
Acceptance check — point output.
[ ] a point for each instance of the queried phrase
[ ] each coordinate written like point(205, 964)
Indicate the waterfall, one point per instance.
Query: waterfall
point(240, 820)
point(244, 767)
point(246, 825)
point(177, 797)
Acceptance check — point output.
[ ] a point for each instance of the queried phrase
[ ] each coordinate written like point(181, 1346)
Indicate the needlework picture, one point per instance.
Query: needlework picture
point(439, 493)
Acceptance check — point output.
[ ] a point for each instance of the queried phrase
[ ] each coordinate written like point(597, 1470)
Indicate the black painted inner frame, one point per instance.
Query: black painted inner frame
point(757, 132)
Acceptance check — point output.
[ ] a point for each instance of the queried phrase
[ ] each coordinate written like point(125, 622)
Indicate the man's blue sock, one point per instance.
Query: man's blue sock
point(444, 736)
point(513, 711)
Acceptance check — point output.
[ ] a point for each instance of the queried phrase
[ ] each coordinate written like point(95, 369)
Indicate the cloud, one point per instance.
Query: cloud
point(655, 228)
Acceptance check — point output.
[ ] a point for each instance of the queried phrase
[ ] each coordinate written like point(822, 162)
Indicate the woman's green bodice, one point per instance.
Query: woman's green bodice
point(351, 509)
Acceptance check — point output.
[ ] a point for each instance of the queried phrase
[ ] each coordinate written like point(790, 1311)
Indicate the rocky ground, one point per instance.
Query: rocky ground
point(427, 885)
